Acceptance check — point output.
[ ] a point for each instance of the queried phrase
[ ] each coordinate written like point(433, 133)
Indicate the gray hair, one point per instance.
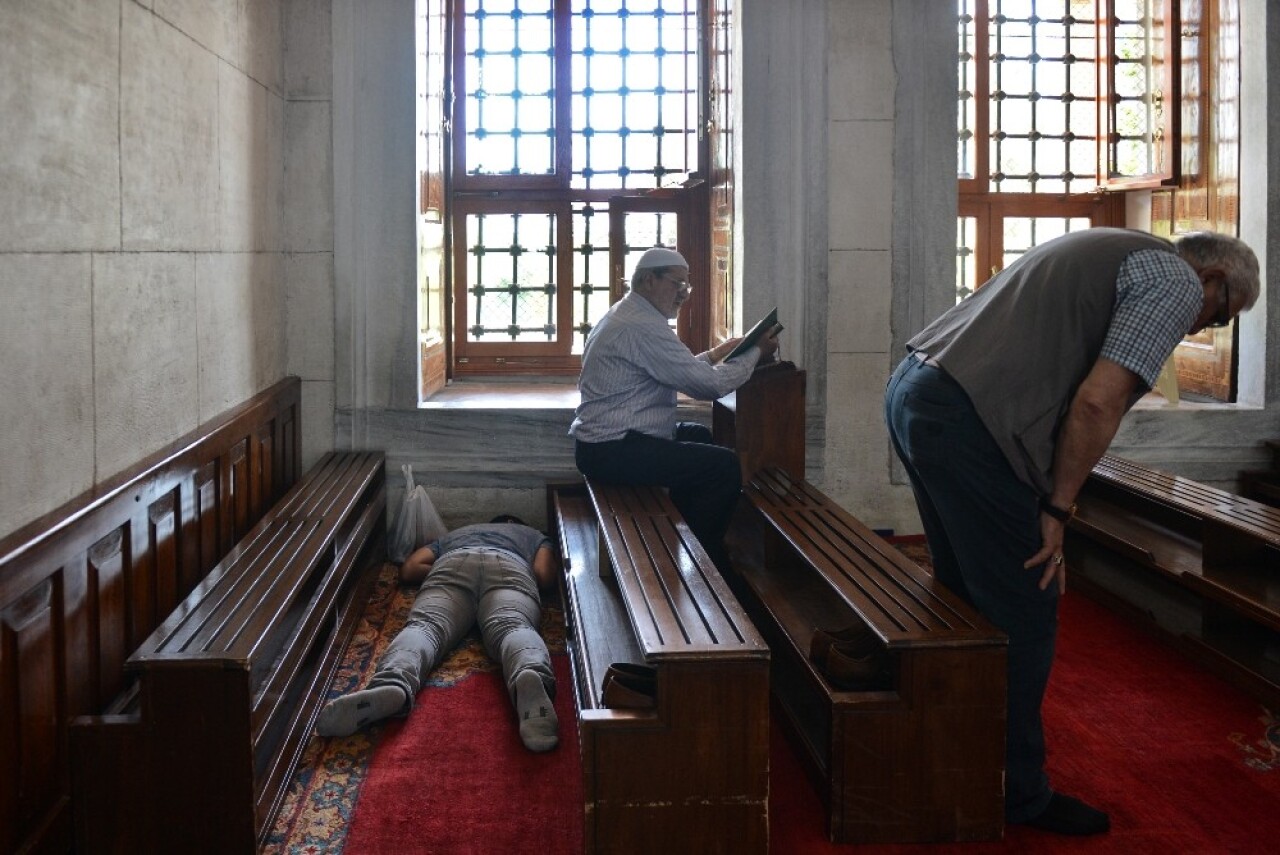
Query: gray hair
point(637, 276)
point(1212, 249)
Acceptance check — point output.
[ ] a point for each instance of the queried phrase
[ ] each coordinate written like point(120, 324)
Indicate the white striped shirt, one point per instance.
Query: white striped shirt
point(633, 366)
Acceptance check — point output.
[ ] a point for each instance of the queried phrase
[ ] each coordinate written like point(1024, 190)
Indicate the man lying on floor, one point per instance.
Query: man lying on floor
point(488, 573)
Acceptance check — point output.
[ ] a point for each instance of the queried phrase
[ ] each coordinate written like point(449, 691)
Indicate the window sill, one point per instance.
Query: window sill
point(1154, 401)
point(520, 394)
point(491, 394)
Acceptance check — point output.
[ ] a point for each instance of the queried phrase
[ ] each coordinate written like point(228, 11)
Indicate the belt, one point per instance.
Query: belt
point(925, 358)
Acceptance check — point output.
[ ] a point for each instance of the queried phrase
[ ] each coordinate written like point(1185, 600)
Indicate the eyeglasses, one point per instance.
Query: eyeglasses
point(1224, 311)
point(682, 284)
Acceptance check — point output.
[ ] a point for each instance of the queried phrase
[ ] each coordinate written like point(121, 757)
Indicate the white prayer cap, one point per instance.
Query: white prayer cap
point(660, 256)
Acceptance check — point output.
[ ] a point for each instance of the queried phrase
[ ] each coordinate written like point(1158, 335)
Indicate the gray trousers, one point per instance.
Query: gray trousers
point(489, 586)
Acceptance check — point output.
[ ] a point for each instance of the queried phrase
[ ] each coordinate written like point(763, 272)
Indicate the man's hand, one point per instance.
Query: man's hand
point(1052, 533)
point(416, 567)
point(723, 349)
point(768, 344)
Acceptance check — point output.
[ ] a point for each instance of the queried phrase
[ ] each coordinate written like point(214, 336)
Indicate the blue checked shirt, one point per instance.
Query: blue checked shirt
point(632, 368)
point(1158, 297)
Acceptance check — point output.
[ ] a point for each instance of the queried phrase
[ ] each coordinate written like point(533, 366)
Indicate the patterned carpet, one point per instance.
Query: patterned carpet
point(317, 811)
point(1240, 751)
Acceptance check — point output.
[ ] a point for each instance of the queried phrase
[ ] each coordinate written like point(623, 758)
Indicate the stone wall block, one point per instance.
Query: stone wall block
point(860, 73)
point(169, 130)
point(309, 314)
point(308, 177)
point(144, 366)
point(60, 169)
point(859, 297)
point(46, 387)
point(861, 188)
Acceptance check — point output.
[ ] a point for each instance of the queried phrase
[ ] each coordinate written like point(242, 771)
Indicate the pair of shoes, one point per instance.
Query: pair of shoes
point(1067, 815)
point(852, 659)
point(630, 686)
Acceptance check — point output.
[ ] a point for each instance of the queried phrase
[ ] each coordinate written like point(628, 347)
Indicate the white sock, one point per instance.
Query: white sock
point(345, 715)
point(538, 722)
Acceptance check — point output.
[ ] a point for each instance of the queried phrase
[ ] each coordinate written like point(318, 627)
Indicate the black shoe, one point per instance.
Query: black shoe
point(1065, 815)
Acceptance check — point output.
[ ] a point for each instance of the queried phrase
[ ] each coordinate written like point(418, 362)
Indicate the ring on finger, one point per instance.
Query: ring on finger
point(1057, 559)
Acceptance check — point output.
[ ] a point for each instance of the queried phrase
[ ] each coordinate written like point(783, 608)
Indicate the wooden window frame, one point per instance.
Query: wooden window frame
point(467, 194)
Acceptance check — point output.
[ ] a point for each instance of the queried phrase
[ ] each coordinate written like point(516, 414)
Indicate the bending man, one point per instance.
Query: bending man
point(1002, 408)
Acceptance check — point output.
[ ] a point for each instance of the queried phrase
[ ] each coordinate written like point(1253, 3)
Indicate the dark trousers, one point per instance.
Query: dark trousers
point(982, 523)
point(704, 479)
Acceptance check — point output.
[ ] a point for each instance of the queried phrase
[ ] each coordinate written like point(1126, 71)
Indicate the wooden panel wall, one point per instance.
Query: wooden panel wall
point(84, 585)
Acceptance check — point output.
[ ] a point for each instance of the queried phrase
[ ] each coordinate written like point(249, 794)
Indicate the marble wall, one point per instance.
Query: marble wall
point(166, 198)
point(199, 197)
point(846, 222)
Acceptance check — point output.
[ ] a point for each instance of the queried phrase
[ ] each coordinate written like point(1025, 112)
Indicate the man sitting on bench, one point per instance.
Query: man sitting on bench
point(488, 573)
point(625, 429)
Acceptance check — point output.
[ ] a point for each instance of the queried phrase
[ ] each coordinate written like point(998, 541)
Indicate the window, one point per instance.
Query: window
point(1030, 130)
point(579, 135)
point(1064, 103)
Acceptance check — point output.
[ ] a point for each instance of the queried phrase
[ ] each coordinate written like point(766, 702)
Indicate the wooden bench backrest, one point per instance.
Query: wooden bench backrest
point(1258, 521)
point(676, 599)
point(83, 585)
point(902, 603)
point(229, 614)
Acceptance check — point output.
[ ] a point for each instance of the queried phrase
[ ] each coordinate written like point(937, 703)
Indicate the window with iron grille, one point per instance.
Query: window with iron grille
point(575, 142)
point(1060, 100)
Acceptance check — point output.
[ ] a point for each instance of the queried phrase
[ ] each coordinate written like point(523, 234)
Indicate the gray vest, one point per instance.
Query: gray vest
point(1023, 342)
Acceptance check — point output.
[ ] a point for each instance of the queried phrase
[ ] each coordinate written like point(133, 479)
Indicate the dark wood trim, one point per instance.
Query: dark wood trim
point(84, 584)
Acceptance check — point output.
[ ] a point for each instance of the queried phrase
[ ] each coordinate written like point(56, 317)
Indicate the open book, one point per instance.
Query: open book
point(749, 340)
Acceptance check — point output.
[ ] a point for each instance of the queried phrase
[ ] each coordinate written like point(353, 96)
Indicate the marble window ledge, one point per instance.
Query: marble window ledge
point(518, 395)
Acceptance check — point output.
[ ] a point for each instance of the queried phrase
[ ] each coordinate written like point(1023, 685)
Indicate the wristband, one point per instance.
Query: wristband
point(1062, 515)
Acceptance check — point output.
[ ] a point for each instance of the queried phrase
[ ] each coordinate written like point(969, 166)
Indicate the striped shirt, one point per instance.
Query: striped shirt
point(632, 368)
point(1158, 297)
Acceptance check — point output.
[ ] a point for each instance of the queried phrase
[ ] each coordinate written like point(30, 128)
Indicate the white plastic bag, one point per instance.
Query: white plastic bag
point(417, 524)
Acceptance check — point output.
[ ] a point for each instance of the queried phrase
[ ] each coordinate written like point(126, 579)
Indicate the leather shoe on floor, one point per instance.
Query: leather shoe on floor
point(852, 659)
point(1067, 815)
point(856, 673)
point(630, 686)
point(853, 640)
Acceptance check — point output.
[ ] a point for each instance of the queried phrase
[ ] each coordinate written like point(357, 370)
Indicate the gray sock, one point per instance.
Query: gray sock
point(345, 715)
point(538, 722)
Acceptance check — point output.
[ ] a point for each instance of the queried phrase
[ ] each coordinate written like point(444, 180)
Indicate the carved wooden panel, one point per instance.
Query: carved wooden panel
point(237, 491)
point(82, 586)
point(32, 730)
point(109, 608)
point(165, 568)
point(207, 512)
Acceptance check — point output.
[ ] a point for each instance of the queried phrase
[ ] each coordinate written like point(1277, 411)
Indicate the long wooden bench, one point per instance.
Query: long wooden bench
point(691, 774)
point(1198, 563)
point(919, 757)
point(918, 760)
point(228, 686)
point(84, 585)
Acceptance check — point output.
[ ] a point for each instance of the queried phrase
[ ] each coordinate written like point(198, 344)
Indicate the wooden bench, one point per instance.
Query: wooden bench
point(692, 773)
point(228, 686)
point(919, 760)
point(84, 585)
point(1198, 563)
point(1263, 485)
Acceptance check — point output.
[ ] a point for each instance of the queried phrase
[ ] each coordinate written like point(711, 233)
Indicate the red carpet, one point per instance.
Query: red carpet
point(454, 779)
point(1183, 762)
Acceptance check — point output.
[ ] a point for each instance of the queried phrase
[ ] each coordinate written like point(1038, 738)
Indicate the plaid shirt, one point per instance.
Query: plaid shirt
point(1158, 297)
